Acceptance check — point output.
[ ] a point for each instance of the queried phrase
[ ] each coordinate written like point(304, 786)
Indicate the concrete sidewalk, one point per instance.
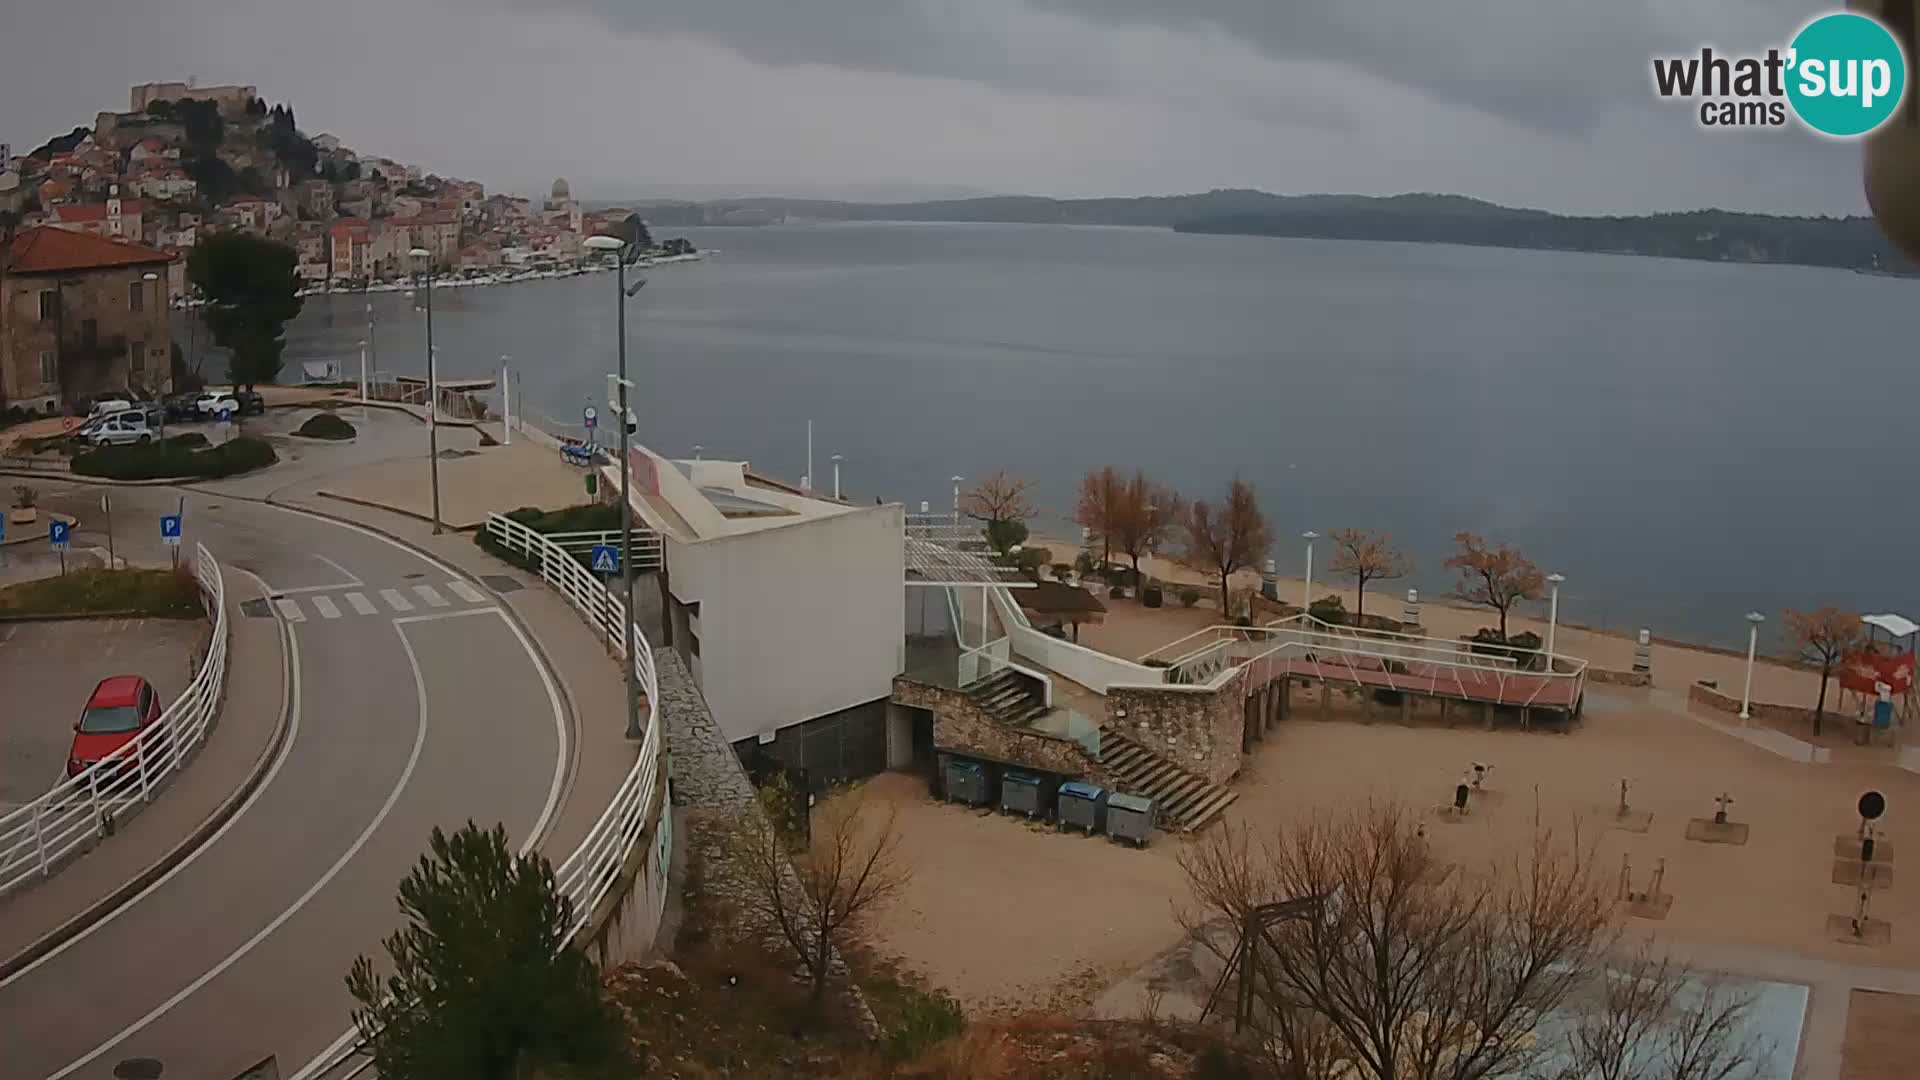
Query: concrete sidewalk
point(184, 813)
point(474, 480)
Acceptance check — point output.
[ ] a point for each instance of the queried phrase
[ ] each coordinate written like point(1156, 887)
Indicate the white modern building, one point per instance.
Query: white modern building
point(785, 606)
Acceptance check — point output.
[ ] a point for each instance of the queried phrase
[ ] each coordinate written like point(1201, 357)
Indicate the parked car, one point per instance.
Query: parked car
point(120, 708)
point(251, 402)
point(182, 406)
point(239, 402)
point(121, 428)
point(108, 406)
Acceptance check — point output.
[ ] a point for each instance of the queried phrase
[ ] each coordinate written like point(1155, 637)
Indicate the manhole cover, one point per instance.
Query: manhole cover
point(458, 453)
point(500, 583)
point(138, 1069)
point(213, 506)
point(255, 609)
point(410, 577)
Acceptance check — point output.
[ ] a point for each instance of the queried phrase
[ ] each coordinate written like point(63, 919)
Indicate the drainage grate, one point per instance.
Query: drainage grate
point(410, 577)
point(138, 1069)
point(255, 609)
point(500, 583)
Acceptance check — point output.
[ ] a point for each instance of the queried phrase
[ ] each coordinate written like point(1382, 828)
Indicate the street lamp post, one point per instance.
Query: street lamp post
point(1754, 619)
point(621, 294)
point(1306, 588)
point(956, 500)
point(506, 402)
point(433, 386)
point(1553, 615)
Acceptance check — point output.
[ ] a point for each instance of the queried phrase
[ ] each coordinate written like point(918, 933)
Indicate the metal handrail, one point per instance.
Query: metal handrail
point(590, 872)
point(36, 836)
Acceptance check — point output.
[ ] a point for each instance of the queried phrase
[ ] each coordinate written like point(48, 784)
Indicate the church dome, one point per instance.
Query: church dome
point(561, 192)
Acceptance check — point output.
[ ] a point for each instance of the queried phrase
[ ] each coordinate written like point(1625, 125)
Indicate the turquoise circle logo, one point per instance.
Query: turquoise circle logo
point(1848, 75)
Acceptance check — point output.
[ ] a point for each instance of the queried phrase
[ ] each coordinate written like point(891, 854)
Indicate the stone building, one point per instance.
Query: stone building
point(81, 314)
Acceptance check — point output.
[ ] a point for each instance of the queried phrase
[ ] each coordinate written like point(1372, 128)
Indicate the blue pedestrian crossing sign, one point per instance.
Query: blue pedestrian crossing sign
point(170, 529)
point(57, 533)
point(606, 559)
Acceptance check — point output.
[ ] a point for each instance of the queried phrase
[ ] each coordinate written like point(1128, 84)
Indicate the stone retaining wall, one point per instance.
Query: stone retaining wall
point(1199, 730)
point(1620, 678)
point(1759, 710)
point(960, 724)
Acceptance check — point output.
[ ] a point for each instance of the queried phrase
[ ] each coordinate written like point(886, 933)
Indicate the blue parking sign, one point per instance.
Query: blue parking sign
point(606, 559)
point(170, 529)
point(57, 533)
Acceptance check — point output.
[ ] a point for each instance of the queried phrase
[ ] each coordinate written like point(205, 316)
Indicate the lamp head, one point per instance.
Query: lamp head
point(603, 243)
point(420, 253)
point(1756, 618)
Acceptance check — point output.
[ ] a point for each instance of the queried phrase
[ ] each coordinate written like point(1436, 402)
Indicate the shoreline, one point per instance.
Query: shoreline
point(482, 280)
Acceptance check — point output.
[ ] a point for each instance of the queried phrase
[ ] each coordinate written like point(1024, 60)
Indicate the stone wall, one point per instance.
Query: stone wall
point(1619, 678)
point(960, 724)
point(1199, 730)
point(1759, 710)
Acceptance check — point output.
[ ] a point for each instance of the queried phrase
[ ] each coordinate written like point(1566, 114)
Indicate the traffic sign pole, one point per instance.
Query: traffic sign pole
point(106, 507)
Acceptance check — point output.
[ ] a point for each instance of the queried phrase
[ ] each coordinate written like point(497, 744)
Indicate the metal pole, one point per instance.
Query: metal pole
point(1306, 588)
point(363, 379)
point(433, 408)
point(626, 507)
point(106, 507)
point(808, 483)
point(1553, 617)
point(506, 404)
point(1746, 693)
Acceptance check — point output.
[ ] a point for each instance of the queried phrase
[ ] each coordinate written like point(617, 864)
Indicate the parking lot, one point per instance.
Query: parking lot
point(47, 669)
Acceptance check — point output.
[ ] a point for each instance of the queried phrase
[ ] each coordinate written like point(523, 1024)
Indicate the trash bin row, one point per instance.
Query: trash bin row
point(1069, 805)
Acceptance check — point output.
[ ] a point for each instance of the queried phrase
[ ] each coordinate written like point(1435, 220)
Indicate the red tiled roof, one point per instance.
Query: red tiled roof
point(96, 211)
point(50, 250)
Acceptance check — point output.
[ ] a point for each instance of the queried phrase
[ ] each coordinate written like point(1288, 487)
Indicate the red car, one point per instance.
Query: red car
point(121, 707)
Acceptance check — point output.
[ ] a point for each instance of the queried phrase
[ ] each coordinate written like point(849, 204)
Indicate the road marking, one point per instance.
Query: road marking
point(430, 595)
point(290, 672)
point(393, 797)
point(466, 592)
point(361, 605)
point(336, 1051)
point(326, 608)
point(395, 600)
point(290, 610)
point(439, 616)
point(344, 572)
point(304, 589)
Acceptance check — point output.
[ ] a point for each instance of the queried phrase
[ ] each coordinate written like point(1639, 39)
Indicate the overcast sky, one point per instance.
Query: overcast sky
point(1542, 103)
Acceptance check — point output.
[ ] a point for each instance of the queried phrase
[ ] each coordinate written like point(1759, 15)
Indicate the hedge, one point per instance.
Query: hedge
point(167, 594)
point(175, 460)
point(586, 517)
point(326, 425)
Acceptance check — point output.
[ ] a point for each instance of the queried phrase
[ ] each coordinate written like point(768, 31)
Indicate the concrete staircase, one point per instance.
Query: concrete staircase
point(1009, 697)
point(1181, 799)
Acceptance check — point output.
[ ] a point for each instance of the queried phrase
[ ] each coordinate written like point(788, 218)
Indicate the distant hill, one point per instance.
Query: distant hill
point(1854, 243)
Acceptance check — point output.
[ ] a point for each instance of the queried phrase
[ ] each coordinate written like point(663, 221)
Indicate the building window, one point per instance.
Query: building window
point(49, 368)
point(136, 295)
point(49, 305)
point(139, 360)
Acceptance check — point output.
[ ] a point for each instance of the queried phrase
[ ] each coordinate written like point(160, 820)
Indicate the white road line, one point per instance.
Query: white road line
point(393, 797)
point(430, 595)
point(304, 589)
point(361, 605)
point(466, 592)
point(290, 610)
point(344, 572)
point(335, 1051)
point(395, 600)
point(290, 671)
point(438, 616)
point(325, 606)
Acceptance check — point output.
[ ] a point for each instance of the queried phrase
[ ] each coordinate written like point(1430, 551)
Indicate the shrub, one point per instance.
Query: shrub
point(26, 496)
point(167, 594)
point(1083, 564)
point(192, 440)
point(925, 1018)
point(1329, 609)
point(1487, 641)
point(326, 425)
point(1061, 570)
point(1189, 596)
point(173, 461)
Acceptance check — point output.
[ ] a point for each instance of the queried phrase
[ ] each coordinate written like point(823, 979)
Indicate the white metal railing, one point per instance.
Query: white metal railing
point(80, 809)
point(648, 549)
point(1390, 660)
point(591, 871)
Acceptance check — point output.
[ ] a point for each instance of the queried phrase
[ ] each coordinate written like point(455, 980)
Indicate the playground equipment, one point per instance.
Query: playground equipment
point(1654, 901)
point(1877, 680)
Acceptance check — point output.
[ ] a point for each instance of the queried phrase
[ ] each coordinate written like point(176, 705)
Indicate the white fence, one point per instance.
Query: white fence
point(81, 809)
point(590, 873)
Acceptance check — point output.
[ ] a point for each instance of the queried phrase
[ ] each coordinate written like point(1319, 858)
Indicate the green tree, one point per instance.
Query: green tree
point(205, 127)
point(250, 286)
point(485, 983)
point(634, 232)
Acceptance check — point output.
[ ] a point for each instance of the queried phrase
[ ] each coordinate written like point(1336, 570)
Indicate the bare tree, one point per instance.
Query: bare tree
point(1652, 1018)
point(814, 893)
point(1399, 966)
point(1225, 537)
point(1002, 503)
point(1096, 506)
point(1144, 517)
point(1494, 577)
point(1823, 637)
point(1364, 556)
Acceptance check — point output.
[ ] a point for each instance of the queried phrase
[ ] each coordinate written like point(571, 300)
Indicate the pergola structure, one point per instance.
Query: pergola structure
point(942, 553)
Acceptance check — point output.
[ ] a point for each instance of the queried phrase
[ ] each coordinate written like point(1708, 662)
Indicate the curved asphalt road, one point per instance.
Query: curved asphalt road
point(401, 720)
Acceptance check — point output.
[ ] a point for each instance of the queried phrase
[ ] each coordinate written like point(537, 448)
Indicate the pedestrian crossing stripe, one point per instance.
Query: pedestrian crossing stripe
point(325, 606)
point(395, 600)
point(360, 603)
point(430, 595)
point(466, 592)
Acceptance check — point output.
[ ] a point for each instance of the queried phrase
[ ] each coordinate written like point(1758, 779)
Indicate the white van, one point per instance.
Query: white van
point(108, 406)
point(121, 428)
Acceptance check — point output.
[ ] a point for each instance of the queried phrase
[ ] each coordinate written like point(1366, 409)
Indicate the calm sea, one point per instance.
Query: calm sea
point(1685, 441)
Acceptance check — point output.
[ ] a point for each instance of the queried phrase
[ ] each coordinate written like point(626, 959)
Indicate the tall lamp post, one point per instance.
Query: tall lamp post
point(956, 500)
point(622, 294)
point(1306, 588)
point(1754, 619)
point(424, 259)
point(1553, 615)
